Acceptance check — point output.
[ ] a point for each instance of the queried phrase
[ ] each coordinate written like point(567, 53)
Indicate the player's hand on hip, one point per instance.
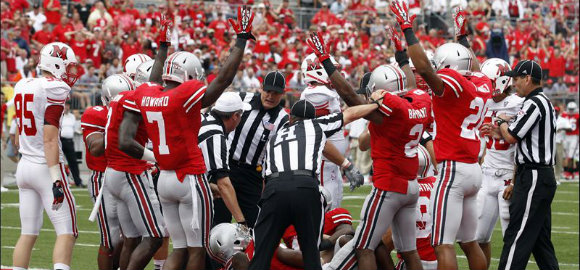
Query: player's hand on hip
point(401, 11)
point(243, 25)
point(58, 194)
point(316, 43)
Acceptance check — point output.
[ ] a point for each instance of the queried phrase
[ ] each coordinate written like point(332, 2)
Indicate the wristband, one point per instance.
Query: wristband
point(500, 121)
point(241, 43)
point(148, 155)
point(164, 44)
point(410, 37)
point(54, 172)
point(402, 58)
point(463, 41)
point(328, 66)
point(345, 163)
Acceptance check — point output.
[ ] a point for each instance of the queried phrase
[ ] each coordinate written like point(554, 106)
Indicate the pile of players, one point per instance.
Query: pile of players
point(430, 110)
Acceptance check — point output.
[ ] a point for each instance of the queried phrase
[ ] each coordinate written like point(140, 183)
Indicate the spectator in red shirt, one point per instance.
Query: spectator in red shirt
point(52, 11)
point(130, 47)
point(59, 32)
point(323, 15)
point(557, 64)
point(287, 12)
point(43, 36)
point(219, 25)
point(79, 46)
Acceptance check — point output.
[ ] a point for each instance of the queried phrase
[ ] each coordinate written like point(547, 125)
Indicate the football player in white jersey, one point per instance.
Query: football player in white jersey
point(326, 101)
point(41, 177)
point(498, 164)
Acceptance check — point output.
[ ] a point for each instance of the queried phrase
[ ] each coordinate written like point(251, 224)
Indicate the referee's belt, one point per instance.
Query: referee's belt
point(277, 175)
point(535, 166)
point(244, 165)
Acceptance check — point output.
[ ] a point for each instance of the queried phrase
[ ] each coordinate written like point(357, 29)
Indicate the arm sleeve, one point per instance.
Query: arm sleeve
point(454, 82)
point(92, 122)
point(390, 105)
point(216, 152)
point(129, 102)
point(526, 120)
point(196, 95)
point(331, 123)
point(56, 93)
point(340, 216)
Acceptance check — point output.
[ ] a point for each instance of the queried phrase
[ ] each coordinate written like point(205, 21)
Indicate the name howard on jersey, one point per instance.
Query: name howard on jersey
point(154, 101)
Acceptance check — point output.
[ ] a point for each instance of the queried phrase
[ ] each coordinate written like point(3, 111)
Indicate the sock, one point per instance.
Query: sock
point(158, 264)
point(18, 268)
point(61, 266)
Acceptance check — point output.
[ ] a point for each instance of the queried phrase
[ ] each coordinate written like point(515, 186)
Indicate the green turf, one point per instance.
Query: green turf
point(564, 230)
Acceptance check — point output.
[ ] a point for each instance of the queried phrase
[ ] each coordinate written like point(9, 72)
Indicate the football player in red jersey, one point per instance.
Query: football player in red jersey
point(183, 187)
point(459, 96)
point(93, 124)
point(395, 135)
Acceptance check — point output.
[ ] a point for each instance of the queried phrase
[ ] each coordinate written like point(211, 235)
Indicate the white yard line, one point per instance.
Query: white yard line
point(45, 230)
point(530, 261)
point(10, 267)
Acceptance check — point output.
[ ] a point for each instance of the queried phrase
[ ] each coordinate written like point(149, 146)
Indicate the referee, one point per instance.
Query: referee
point(247, 146)
point(291, 194)
point(534, 130)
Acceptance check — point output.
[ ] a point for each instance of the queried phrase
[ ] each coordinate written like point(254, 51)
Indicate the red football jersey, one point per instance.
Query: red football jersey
point(116, 158)
point(459, 113)
point(394, 141)
point(173, 119)
point(573, 118)
point(332, 219)
point(275, 263)
point(94, 120)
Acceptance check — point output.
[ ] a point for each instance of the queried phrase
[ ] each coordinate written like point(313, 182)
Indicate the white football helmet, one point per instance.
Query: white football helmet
point(132, 62)
point(495, 69)
point(572, 107)
point(59, 60)
point(327, 197)
point(226, 238)
point(387, 77)
point(454, 56)
point(313, 71)
point(425, 162)
point(181, 67)
point(143, 72)
point(115, 84)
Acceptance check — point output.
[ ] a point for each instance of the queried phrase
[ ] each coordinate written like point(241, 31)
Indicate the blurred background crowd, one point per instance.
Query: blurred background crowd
point(104, 33)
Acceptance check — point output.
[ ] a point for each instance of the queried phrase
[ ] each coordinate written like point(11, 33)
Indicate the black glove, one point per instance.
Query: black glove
point(58, 194)
point(355, 178)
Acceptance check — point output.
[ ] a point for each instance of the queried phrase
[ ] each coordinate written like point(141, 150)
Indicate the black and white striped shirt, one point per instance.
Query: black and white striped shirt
point(535, 130)
point(255, 129)
point(299, 146)
point(212, 142)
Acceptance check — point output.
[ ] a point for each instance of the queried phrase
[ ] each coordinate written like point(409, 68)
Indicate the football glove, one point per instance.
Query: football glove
point(243, 26)
point(401, 11)
point(58, 194)
point(460, 22)
point(355, 178)
point(316, 43)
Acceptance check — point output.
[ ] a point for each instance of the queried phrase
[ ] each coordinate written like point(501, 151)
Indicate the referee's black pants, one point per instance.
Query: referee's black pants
point(289, 200)
point(68, 149)
point(247, 182)
point(530, 223)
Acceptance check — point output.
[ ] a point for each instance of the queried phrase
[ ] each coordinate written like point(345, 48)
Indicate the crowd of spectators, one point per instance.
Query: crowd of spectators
point(104, 33)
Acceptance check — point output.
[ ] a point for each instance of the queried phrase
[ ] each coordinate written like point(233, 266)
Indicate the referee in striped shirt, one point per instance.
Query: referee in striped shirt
point(533, 130)
point(291, 195)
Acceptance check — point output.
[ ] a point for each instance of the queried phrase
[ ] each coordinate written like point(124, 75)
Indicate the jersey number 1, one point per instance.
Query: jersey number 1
point(24, 116)
point(158, 117)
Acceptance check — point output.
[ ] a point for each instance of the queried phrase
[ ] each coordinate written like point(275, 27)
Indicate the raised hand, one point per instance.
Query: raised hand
point(316, 43)
point(58, 194)
point(460, 22)
point(395, 38)
point(243, 26)
point(166, 27)
point(401, 11)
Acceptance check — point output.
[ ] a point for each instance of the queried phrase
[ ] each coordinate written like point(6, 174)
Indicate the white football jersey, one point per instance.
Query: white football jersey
point(31, 98)
point(500, 154)
point(326, 101)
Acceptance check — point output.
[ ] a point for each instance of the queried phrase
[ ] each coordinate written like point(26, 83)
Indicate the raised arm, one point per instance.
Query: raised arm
point(164, 43)
point(415, 50)
point(402, 58)
point(460, 24)
point(243, 29)
point(343, 88)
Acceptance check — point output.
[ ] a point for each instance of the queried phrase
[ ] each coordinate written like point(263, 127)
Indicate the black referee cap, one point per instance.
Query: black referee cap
point(274, 81)
point(526, 67)
point(363, 83)
point(303, 109)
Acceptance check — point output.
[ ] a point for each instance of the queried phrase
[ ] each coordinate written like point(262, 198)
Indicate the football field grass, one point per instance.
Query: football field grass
point(564, 230)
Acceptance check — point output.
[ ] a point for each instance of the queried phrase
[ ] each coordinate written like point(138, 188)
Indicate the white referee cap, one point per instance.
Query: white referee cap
point(231, 102)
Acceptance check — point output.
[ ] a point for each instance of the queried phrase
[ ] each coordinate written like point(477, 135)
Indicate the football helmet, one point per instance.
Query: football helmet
point(59, 60)
point(115, 84)
point(495, 69)
point(424, 161)
point(454, 56)
point(313, 71)
point(181, 67)
point(389, 78)
point(143, 72)
point(226, 238)
point(327, 197)
point(572, 107)
point(132, 62)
